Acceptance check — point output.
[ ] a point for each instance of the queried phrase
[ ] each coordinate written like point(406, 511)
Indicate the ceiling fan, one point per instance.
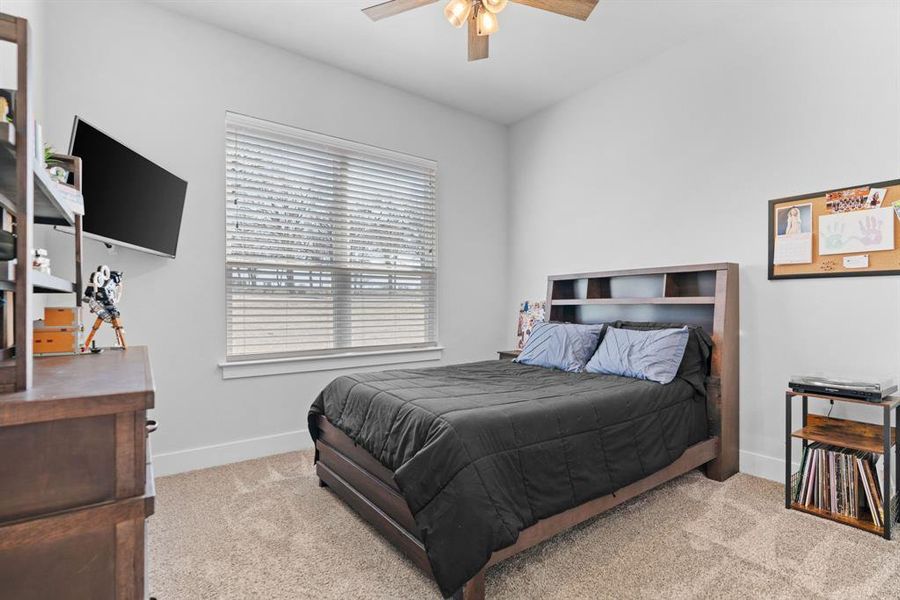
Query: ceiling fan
point(481, 15)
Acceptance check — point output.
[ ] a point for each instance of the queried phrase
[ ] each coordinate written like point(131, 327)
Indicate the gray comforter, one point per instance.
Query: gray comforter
point(482, 451)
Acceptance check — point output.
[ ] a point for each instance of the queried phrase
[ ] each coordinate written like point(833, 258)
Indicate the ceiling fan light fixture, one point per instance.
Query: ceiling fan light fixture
point(495, 6)
point(457, 12)
point(486, 22)
point(480, 15)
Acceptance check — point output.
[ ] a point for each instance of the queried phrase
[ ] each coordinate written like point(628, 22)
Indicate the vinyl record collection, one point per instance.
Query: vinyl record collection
point(842, 481)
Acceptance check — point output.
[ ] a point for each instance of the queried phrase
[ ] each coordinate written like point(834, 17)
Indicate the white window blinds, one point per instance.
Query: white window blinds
point(330, 245)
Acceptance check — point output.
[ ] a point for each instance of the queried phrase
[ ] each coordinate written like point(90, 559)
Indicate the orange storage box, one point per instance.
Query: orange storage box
point(60, 317)
point(55, 340)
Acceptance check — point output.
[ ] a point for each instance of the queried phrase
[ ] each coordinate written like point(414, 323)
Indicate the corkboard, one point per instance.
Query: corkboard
point(883, 262)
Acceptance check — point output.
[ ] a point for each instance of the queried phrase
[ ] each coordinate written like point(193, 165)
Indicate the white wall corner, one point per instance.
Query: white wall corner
point(762, 465)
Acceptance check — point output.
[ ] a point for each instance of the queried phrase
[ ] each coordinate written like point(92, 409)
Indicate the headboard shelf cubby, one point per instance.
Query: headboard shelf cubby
point(704, 295)
point(690, 284)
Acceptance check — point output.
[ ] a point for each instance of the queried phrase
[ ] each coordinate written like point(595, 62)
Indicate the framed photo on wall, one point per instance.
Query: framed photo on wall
point(844, 232)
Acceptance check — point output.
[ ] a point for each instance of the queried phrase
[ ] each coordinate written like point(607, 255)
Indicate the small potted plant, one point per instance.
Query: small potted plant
point(55, 167)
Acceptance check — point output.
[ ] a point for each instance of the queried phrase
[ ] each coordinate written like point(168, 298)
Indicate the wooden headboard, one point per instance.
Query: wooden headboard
point(704, 295)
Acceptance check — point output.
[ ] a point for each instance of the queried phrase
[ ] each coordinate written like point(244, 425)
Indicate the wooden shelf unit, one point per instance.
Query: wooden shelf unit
point(76, 480)
point(27, 196)
point(845, 433)
point(850, 434)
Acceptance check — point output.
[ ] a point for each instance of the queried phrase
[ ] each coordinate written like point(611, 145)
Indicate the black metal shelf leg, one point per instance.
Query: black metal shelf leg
point(805, 417)
point(787, 449)
point(886, 493)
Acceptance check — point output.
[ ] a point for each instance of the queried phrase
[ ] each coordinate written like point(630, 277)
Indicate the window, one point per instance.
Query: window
point(330, 245)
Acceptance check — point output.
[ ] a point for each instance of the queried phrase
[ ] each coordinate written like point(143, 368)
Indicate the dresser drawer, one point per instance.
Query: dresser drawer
point(95, 552)
point(55, 465)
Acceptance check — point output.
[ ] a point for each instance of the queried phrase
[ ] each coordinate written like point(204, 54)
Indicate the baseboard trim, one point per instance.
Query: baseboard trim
point(762, 465)
point(191, 459)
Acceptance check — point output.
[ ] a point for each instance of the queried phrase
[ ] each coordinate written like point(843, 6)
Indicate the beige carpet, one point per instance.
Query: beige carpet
point(264, 529)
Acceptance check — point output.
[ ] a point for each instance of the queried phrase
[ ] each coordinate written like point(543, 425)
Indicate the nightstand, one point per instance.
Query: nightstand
point(507, 354)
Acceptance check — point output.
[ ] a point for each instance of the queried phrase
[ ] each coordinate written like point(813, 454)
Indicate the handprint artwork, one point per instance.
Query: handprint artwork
point(832, 238)
point(870, 231)
point(858, 231)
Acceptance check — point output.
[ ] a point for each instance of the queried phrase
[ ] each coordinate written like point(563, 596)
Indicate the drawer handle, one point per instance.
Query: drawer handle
point(151, 425)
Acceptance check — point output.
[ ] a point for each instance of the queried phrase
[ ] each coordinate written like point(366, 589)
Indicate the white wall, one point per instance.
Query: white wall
point(161, 84)
point(673, 163)
point(670, 162)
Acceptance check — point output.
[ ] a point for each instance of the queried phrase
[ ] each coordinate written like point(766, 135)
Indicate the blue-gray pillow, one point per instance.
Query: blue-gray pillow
point(564, 346)
point(654, 355)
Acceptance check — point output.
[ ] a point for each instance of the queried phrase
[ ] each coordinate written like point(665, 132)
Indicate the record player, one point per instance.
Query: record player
point(871, 390)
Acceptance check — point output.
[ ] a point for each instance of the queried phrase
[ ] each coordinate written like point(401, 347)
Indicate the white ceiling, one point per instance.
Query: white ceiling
point(537, 58)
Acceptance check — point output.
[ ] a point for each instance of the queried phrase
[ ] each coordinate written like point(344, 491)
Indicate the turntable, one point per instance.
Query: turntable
point(871, 390)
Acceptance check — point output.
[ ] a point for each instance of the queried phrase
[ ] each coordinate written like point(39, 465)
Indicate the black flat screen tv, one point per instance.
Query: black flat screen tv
point(128, 200)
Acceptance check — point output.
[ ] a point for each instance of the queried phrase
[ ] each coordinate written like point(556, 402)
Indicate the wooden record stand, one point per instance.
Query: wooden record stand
point(849, 434)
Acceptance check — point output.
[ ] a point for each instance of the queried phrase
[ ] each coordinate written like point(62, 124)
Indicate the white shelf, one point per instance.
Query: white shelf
point(50, 284)
point(41, 283)
point(50, 207)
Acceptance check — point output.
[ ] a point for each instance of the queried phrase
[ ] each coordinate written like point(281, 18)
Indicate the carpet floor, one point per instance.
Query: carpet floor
point(264, 529)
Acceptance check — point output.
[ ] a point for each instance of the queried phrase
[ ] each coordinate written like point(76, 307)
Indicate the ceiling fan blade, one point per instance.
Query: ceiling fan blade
point(478, 44)
point(393, 7)
point(577, 9)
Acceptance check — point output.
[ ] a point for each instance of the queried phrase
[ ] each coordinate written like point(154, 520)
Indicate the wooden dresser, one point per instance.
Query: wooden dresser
point(76, 482)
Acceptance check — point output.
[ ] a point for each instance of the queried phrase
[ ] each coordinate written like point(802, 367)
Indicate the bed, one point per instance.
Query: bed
point(465, 465)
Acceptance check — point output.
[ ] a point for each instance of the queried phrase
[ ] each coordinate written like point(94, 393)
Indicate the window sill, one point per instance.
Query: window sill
point(332, 362)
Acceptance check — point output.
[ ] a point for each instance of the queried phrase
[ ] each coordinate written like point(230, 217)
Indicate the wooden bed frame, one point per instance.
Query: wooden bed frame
point(706, 295)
